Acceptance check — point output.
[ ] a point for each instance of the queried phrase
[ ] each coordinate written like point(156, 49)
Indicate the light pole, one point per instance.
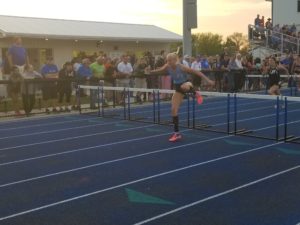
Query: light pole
point(189, 22)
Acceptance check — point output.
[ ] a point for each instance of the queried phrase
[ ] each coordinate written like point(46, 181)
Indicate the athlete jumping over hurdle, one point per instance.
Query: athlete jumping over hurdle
point(182, 86)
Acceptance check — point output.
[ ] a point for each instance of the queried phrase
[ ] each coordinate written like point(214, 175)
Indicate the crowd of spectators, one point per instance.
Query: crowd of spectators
point(227, 69)
point(278, 37)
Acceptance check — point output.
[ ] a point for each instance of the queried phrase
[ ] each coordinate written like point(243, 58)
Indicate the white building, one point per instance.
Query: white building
point(285, 12)
point(64, 39)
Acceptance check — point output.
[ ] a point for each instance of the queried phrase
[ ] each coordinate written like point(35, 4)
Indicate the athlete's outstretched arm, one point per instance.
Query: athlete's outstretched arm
point(161, 71)
point(197, 73)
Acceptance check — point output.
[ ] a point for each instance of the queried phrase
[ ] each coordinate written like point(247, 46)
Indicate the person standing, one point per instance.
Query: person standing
point(28, 88)
point(98, 71)
point(50, 73)
point(65, 77)
point(125, 71)
point(17, 58)
point(17, 55)
point(140, 80)
point(196, 65)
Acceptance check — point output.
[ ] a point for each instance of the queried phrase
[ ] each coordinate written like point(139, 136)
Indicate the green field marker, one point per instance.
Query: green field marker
point(138, 197)
point(238, 143)
point(289, 151)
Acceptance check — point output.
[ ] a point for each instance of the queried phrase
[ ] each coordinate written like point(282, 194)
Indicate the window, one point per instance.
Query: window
point(298, 5)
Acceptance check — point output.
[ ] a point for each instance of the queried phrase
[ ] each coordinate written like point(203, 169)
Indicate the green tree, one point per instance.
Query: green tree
point(207, 43)
point(237, 42)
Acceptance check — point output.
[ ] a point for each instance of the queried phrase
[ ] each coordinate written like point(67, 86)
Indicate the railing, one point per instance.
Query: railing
point(274, 40)
point(35, 96)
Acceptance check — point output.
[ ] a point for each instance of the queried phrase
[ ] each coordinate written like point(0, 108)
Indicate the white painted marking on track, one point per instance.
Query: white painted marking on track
point(135, 181)
point(218, 195)
point(58, 130)
point(73, 138)
point(110, 162)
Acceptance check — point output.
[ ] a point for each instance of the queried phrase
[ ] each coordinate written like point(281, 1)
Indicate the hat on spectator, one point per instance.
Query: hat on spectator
point(186, 57)
point(269, 19)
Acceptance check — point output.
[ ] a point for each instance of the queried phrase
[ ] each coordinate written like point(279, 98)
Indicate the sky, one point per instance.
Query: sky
point(216, 16)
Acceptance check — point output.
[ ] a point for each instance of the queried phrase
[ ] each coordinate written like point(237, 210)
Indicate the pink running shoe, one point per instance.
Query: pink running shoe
point(199, 97)
point(175, 137)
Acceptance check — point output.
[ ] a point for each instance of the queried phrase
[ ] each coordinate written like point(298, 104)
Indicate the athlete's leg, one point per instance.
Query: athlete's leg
point(176, 102)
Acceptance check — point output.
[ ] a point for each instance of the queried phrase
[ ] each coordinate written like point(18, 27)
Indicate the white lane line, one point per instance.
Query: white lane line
point(219, 195)
point(253, 118)
point(136, 181)
point(43, 124)
point(73, 138)
point(54, 131)
point(110, 161)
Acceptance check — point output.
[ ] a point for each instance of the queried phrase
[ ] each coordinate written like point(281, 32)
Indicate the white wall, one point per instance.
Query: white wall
point(63, 49)
point(285, 12)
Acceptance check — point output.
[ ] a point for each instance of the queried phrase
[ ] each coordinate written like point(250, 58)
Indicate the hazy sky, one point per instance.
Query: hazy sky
point(218, 16)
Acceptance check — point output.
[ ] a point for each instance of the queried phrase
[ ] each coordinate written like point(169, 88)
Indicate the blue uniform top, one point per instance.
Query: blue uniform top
point(178, 75)
point(18, 55)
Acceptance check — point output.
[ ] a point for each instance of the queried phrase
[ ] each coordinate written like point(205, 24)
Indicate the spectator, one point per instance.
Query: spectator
point(205, 63)
point(109, 75)
point(224, 66)
point(84, 74)
point(98, 71)
point(186, 61)
point(140, 80)
point(29, 88)
point(65, 76)
point(196, 65)
point(17, 55)
point(50, 72)
point(257, 21)
point(124, 73)
point(14, 88)
point(269, 24)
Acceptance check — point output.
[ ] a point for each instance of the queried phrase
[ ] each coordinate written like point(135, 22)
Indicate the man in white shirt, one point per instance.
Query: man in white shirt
point(186, 61)
point(124, 72)
point(196, 65)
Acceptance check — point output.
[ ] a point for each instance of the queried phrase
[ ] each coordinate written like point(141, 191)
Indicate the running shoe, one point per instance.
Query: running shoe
point(175, 137)
point(199, 97)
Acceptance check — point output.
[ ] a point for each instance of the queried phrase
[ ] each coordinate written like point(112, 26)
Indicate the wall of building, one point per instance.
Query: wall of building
point(63, 50)
point(285, 12)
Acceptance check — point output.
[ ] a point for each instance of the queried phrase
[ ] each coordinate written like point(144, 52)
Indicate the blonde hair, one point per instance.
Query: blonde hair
point(172, 56)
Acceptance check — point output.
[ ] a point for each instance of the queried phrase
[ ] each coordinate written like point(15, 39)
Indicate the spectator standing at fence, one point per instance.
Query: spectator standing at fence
point(125, 71)
point(50, 73)
point(196, 65)
point(17, 55)
point(14, 89)
point(140, 79)
point(98, 71)
point(109, 75)
point(186, 61)
point(84, 75)
point(29, 88)
point(224, 66)
point(65, 76)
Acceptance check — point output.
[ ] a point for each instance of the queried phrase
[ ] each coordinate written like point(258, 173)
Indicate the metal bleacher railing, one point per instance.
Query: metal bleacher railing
point(273, 40)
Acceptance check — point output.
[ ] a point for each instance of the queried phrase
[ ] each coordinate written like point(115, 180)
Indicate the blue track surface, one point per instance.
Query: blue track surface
point(77, 170)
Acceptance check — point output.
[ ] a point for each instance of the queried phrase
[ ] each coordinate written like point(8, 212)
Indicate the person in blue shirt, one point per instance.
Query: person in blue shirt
point(84, 75)
point(85, 72)
point(17, 55)
point(205, 63)
point(179, 74)
point(50, 72)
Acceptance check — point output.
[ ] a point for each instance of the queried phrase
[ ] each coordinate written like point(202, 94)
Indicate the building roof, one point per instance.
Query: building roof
point(85, 30)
